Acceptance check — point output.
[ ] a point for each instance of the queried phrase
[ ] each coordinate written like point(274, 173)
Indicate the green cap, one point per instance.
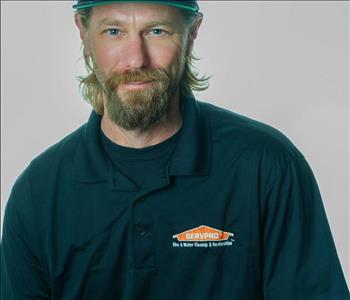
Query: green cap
point(184, 4)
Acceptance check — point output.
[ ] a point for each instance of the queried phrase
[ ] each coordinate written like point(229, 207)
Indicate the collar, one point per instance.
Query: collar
point(191, 156)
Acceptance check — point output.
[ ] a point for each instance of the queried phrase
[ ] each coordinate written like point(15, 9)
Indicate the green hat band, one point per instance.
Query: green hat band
point(189, 5)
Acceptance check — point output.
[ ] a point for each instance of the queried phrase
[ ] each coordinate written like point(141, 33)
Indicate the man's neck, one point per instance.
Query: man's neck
point(141, 139)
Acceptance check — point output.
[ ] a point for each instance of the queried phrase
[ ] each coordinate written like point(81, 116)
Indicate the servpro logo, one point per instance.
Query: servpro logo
point(203, 236)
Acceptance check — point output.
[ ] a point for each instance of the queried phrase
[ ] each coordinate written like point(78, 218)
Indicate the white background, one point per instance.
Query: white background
point(283, 63)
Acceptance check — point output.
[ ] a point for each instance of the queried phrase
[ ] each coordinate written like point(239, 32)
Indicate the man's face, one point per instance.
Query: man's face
point(137, 42)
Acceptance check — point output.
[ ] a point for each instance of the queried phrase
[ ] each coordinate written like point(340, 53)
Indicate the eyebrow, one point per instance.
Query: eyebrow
point(107, 21)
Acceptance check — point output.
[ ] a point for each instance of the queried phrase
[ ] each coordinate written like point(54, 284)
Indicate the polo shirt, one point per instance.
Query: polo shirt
point(237, 215)
point(142, 166)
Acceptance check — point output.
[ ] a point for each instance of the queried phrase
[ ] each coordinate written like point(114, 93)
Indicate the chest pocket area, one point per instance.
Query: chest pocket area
point(193, 247)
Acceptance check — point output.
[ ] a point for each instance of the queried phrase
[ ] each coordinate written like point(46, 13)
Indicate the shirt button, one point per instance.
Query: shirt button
point(140, 230)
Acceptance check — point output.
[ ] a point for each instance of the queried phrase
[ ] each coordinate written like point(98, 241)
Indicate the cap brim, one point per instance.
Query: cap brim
point(193, 8)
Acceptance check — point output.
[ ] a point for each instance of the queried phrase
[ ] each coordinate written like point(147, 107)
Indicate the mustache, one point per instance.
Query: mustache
point(116, 78)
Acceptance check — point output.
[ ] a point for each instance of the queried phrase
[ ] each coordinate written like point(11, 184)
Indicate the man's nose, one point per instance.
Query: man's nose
point(135, 53)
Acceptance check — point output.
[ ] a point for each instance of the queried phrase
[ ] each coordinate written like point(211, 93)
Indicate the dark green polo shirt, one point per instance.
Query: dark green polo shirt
point(237, 215)
point(142, 166)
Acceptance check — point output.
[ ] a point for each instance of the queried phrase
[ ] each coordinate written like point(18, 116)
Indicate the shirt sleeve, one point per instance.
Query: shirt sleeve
point(21, 273)
point(299, 256)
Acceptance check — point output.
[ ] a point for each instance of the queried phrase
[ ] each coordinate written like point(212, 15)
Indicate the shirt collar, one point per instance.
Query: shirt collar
point(191, 156)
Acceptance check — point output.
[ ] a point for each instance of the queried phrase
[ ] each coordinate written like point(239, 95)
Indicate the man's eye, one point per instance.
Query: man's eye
point(112, 31)
point(157, 31)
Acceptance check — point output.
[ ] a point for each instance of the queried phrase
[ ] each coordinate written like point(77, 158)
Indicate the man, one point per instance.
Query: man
point(159, 195)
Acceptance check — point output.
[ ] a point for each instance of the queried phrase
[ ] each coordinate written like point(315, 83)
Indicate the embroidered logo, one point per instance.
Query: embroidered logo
point(203, 236)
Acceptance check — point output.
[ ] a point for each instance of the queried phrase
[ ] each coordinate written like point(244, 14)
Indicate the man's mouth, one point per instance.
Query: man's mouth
point(137, 84)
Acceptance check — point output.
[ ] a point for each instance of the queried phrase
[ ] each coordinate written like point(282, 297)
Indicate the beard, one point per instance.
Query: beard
point(140, 108)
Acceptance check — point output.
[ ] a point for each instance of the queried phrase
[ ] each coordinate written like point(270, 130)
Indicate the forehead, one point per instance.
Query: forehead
point(132, 12)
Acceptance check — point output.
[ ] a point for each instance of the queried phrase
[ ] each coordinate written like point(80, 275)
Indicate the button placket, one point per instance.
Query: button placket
point(140, 230)
point(143, 239)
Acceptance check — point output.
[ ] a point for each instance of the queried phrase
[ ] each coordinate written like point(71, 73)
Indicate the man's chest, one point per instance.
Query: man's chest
point(111, 242)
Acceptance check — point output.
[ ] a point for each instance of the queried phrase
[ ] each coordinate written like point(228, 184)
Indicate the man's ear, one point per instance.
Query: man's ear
point(82, 30)
point(79, 23)
point(193, 34)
